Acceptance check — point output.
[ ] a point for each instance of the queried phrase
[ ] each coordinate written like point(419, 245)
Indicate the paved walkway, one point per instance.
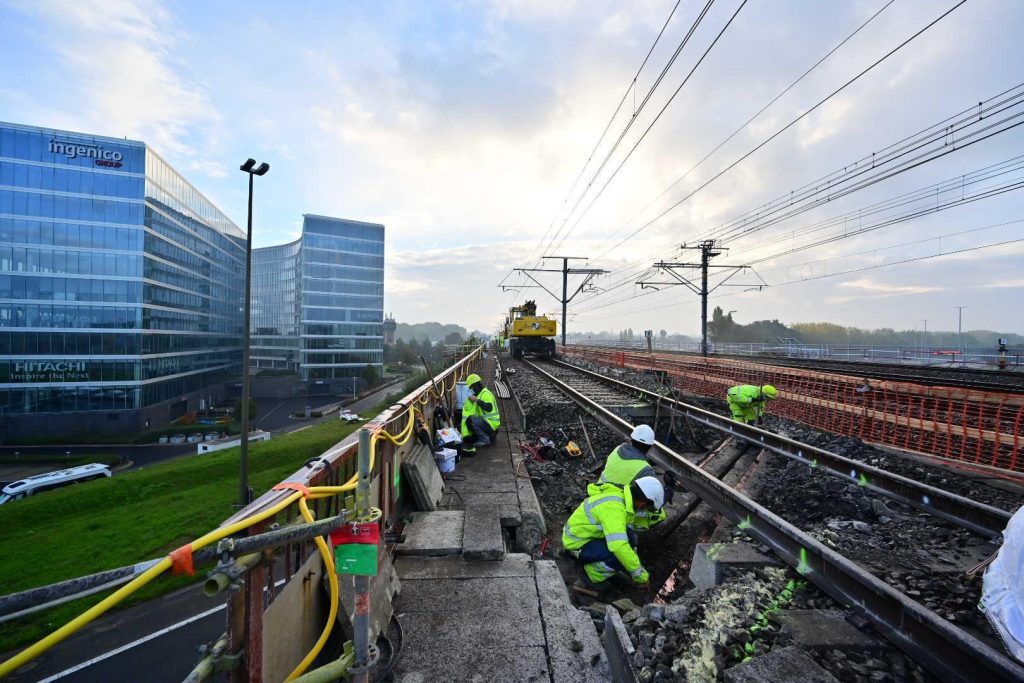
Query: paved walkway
point(471, 609)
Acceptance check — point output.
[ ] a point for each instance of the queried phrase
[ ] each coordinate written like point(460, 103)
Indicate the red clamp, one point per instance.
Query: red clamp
point(292, 486)
point(181, 560)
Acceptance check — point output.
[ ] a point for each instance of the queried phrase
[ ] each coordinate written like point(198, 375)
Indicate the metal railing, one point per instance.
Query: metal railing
point(944, 356)
point(357, 480)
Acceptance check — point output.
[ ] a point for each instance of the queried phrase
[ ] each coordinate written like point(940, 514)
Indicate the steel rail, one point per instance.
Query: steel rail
point(945, 650)
point(980, 518)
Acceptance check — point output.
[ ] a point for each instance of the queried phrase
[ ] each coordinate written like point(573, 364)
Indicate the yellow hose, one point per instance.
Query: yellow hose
point(315, 492)
point(97, 610)
point(332, 578)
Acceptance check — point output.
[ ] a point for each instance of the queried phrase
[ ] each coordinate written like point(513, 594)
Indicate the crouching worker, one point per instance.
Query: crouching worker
point(627, 463)
point(598, 533)
point(480, 418)
point(747, 402)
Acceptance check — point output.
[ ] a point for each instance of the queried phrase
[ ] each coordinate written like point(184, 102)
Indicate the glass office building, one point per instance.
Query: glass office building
point(318, 303)
point(120, 287)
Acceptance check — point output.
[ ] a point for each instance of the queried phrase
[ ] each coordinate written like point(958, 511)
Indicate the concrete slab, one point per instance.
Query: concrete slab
point(481, 485)
point(825, 629)
point(423, 478)
point(485, 629)
point(781, 665)
point(503, 665)
point(507, 499)
point(482, 537)
point(714, 562)
point(433, 533)
point(575, 652)
point(467, 595)
point(618, 647)
point(453, 567)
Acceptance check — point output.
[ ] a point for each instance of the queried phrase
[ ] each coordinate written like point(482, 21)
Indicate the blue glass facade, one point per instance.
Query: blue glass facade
point(319, 302)
point(120, 283)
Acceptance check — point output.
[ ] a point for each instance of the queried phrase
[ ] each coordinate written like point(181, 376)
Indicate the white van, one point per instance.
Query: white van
point(52, 480)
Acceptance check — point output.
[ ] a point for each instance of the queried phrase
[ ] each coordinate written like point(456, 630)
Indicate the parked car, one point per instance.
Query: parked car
point(348, 416)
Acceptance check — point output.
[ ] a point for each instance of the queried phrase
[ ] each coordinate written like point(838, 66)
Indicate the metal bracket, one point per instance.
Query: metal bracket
point(372, 657)
point(373, 515)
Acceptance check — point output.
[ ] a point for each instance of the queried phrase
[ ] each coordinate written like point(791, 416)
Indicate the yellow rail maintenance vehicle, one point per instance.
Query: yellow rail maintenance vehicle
point(528, 332)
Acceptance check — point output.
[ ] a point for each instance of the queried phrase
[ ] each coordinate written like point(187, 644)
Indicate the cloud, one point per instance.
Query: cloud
point(119, 57)
point(874, 286)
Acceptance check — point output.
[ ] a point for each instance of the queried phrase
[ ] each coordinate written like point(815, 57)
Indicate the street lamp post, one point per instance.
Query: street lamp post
point(243, 481)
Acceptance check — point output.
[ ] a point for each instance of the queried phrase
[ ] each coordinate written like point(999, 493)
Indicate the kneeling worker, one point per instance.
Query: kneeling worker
point(746, 402)
point(628, 462)
point(480, 418)
point(598, 533)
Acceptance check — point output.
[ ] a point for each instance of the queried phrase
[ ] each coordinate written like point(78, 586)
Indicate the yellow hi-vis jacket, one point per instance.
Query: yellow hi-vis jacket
point(486, 407)
point(624, 465)
point(606, 513)
point(746, 402)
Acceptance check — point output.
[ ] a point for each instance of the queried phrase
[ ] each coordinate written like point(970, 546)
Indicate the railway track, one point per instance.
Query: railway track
point(946, 650)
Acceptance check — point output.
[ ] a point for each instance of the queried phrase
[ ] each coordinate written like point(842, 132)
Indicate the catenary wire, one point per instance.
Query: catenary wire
point(779, 132)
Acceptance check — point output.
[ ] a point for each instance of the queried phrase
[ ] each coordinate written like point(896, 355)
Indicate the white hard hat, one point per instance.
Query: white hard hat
point(643, 434)
point(653, 490)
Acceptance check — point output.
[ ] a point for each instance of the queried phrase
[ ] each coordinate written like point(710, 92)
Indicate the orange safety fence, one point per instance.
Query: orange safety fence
point(978, 428)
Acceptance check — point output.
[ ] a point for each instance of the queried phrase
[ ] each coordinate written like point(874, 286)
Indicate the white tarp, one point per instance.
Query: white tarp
point(1002, 596)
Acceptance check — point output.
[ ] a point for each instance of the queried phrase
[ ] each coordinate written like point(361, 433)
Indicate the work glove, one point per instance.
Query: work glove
point(643, 578)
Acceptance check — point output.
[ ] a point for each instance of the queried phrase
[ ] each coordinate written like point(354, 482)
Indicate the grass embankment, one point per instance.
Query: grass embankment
point(132, 517)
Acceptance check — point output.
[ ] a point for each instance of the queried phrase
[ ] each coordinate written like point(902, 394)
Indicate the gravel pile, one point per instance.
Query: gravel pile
point(916, 553)
point(913, 469)
point(700, 636)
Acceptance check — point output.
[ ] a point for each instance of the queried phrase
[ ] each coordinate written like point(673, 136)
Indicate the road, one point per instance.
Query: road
point(136, 644)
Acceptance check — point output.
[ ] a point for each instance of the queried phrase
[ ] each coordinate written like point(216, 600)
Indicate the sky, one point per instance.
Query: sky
point(473, 131)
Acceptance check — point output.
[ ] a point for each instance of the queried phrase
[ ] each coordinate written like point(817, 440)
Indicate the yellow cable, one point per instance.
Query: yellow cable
point(332, 578)
point(97, 610)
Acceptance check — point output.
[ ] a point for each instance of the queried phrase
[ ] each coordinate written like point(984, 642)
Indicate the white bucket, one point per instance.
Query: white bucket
point(445, 459)
point(461, 394)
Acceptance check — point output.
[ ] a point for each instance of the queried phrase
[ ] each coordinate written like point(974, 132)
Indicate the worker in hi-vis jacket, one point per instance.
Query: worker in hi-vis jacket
point(747, 402)
point(480, 418)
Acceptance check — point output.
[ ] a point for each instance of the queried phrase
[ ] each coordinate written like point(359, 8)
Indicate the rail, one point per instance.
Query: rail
point(980, 518)
point(976, 428)
point(945, 650)
point(360, 473)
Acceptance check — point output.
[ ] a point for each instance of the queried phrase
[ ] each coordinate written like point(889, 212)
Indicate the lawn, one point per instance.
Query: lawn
point(132, 517)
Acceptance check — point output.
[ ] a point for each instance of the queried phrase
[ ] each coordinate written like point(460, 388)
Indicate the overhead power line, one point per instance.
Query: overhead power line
point(750, 120)
point(629, 124)
point(630, 88)
point(779, 132)
point(852, 271)
point(954, 133)
point(649, 127)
